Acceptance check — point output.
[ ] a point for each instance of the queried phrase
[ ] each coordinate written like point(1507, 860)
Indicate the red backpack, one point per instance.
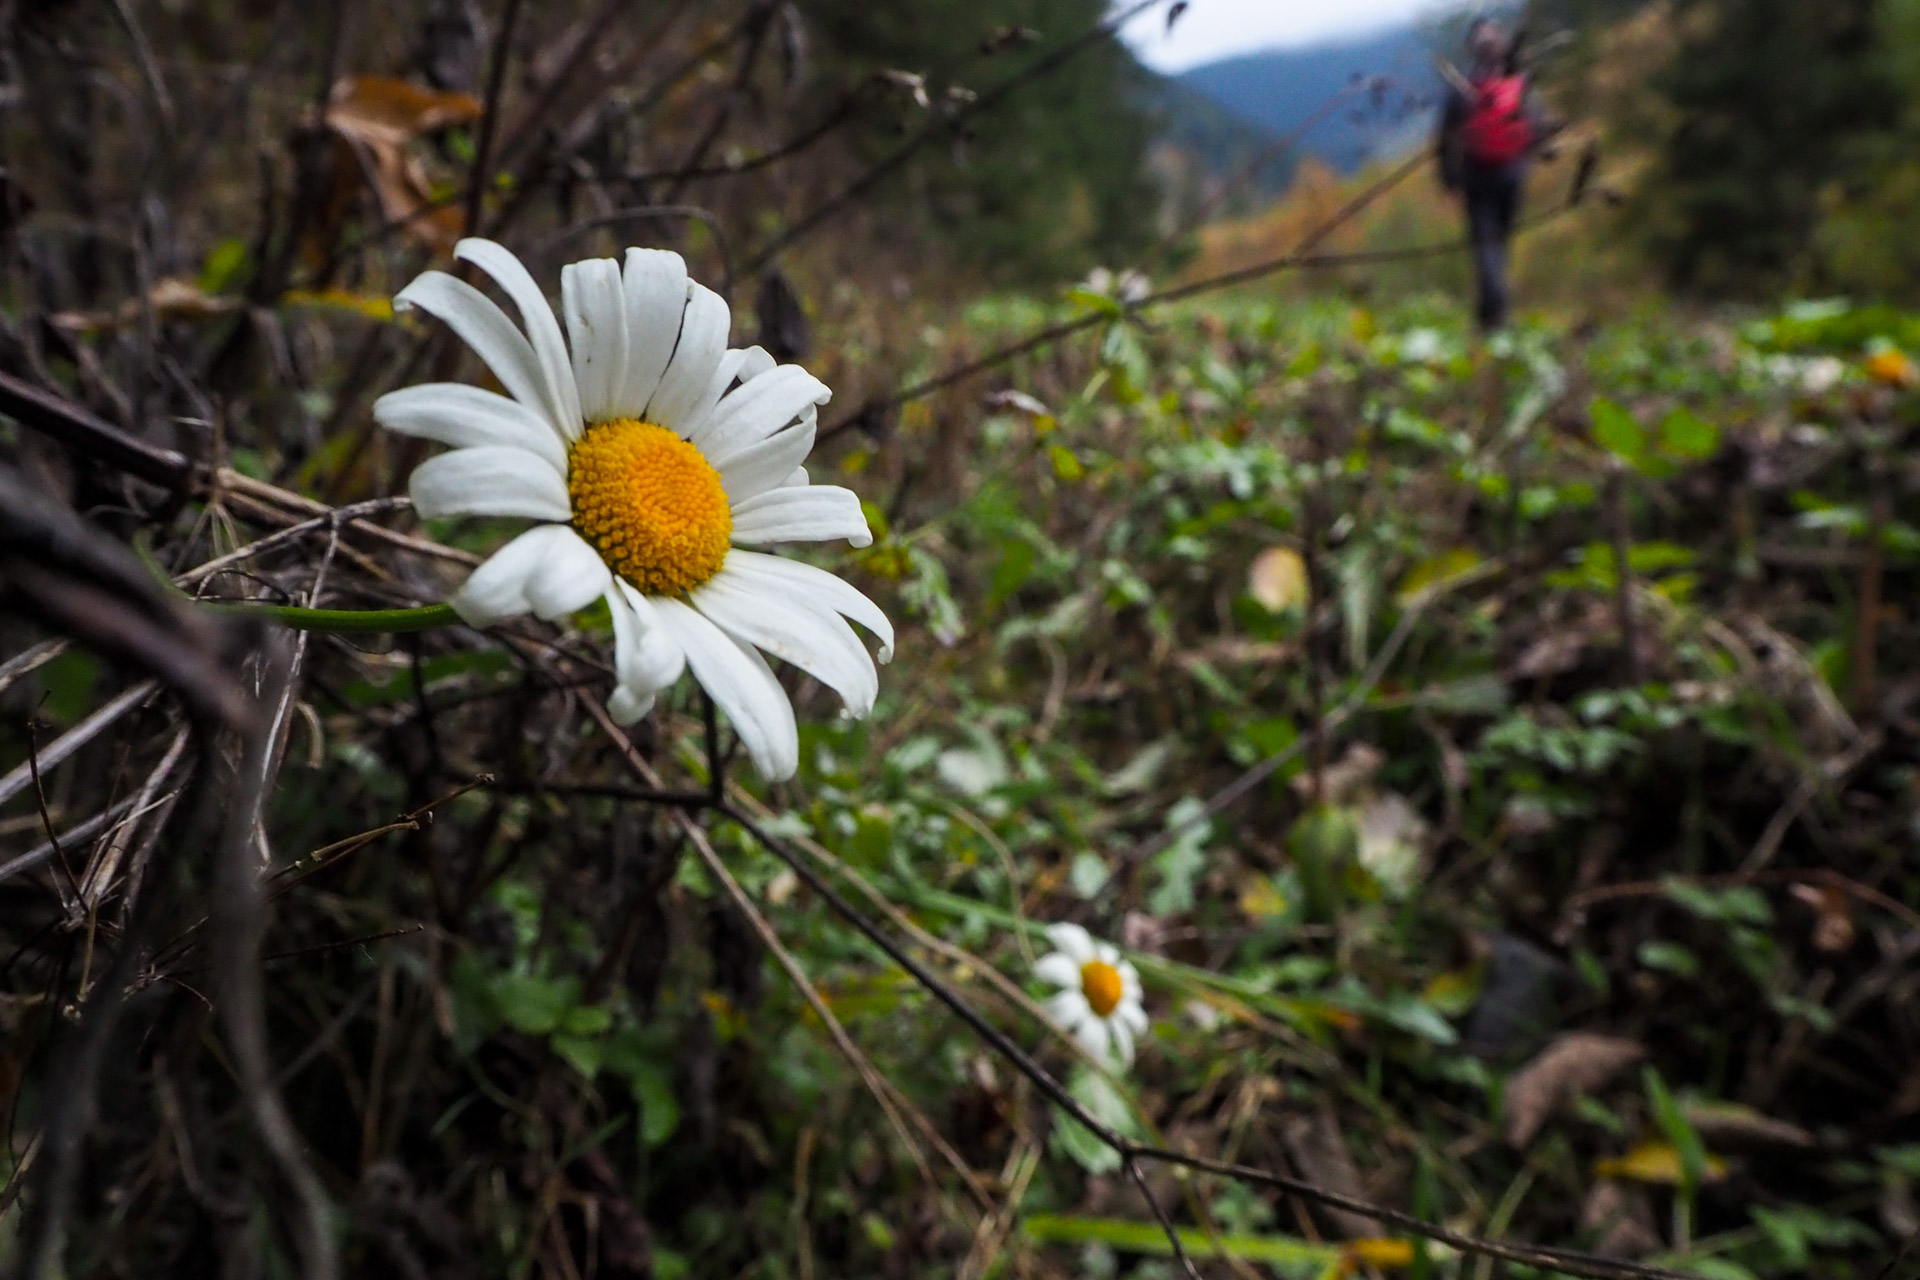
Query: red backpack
point(1496, 131)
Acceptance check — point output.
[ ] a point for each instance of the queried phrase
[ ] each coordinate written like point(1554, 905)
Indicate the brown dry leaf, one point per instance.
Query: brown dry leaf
point(1347, 778)
point(1577, 1062)
point(1239, 651)
point(1730, 1124)
point(396, 110)
point(170, 299)
point(1551, 654)
point(373, 118)
point(1278, 579)
point(1320, 1150)
point(1623, 1219)
point(1142, 932)
point(1832, 916)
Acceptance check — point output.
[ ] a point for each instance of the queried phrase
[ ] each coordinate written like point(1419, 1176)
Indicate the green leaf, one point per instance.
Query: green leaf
point(1323, 844)
point(1684, 434)
point(1411, 1014)
point(1098, 302)
point(1709, 1267)
point(1105, 1103)
point(1181, 862)
point(1088, 874)
point(586, 1020)
point(1905, 1159)
point(69, 681)
point(223, 266)
point(582, 1053)
point(532, 1004)
point(1679, 1131)
point(1742, 904)
point(652, 1087)
point(1668, 957)
point(1617, 432)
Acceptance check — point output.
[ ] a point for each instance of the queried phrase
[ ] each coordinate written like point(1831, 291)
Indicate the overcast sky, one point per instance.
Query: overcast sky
point(1214, 29)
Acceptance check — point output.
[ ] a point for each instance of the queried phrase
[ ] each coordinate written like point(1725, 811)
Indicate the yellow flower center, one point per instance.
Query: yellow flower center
point(1100, 984)
point(651, 504)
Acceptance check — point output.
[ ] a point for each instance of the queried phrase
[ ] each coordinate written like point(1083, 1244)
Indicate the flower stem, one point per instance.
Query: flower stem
point(347, 620)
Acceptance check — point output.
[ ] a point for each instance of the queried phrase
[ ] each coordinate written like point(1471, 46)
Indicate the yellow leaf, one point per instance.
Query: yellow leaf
point(886, 560)
point(1278, 579)
point(726, 1018)
point(1388, 1255)
point(1454, 992)
point(1892, 367)
point(1436, 569)
point(1656, 1162)
point(1259, 900)
point(1065, 465)
point(372, 305)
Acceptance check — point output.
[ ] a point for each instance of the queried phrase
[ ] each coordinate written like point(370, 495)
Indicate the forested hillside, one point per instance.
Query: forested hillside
point(786, 640)
point(1384, 89)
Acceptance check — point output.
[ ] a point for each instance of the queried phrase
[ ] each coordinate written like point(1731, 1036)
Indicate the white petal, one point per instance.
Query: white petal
point(1059, 969)
point(760, 467)
point(626, 707)
point(1093, 1037)
point(1130, 1014)
point(1068, 1009)
point(755, 361)
point(1073, 940)
point(573, 577)
point(488, 480)
point(483, 326)
point(725, 373)
point(654, 286)
point(798, 480)
point(646, 657)
point(596, 311)
point(1108, 954)
point(740, 684)
point(703, 340)
point(798, 581)
point(498, 588)
point(456, 414)
point(543, 331)
point(817, 513)
point(816, 641)
point(755, 410)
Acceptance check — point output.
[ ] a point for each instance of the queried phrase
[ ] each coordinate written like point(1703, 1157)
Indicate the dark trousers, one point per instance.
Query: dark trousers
point(1493, 202)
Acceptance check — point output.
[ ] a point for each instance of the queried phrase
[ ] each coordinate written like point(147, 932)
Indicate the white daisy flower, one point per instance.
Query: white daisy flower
point(1099, 1001)
point(653, 455)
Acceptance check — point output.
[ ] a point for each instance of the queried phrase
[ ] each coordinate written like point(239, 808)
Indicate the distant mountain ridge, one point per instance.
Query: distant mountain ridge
point(1214, 145)
point(1276, 92)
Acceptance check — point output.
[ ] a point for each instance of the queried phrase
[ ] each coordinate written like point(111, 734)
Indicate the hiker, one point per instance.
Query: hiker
point(1487, 132)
